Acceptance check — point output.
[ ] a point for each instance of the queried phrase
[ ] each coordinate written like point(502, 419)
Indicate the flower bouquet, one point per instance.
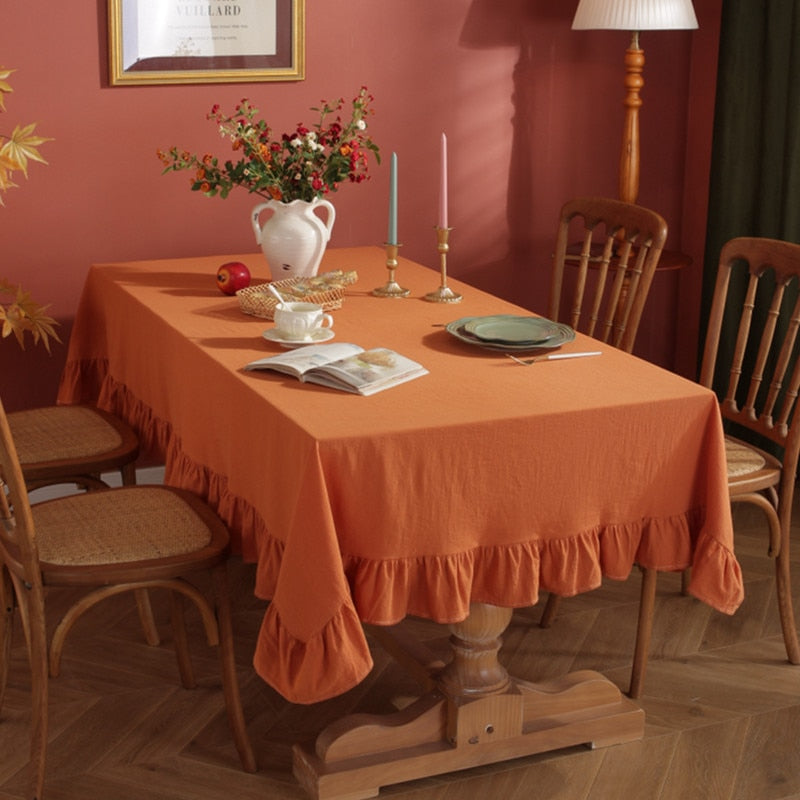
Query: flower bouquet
point(305, 164)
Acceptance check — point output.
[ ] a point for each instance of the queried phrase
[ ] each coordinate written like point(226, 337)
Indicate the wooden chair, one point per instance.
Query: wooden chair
point(615, 263)
point(618, 255)
point(75, 444)
point(760, 408)
point(108, 542)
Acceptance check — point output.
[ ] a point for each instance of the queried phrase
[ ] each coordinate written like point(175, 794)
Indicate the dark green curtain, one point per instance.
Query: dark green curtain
point(755, 168)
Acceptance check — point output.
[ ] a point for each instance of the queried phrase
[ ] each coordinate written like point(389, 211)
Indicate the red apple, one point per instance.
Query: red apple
point(232, 276)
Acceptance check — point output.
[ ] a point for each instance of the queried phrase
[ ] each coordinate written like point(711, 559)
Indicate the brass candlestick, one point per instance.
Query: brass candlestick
point(391, 288)
point(444, 294)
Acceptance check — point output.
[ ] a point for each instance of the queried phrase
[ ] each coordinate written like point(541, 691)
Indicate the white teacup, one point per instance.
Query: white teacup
point(298, 321)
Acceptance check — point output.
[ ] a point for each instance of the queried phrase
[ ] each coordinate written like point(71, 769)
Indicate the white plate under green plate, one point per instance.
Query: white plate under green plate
point(457, 328)
point(508, 329)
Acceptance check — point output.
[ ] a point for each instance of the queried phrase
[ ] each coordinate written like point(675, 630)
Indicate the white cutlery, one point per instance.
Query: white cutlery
point(552, 357)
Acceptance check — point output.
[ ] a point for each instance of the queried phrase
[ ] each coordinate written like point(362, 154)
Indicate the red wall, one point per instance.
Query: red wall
point(531, 108)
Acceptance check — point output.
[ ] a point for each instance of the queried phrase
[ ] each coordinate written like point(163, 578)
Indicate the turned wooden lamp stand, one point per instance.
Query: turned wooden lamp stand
point(629, 156)
point(634, 16)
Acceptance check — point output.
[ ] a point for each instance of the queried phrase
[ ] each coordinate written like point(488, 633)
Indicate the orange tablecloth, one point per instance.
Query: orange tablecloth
point(483, 481)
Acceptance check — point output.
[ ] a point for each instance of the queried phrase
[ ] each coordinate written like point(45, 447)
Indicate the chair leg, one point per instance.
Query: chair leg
point(181, 641)
point(550, 610)
point(643, 632)
point(72, 615)
point(146, 617)
point(230, 683)
point(685, 579)
point(6, 627)
point(37, 652)
point(128, 473)
point(784, 585)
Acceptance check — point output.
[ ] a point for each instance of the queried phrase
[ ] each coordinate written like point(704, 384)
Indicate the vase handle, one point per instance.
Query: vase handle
point(254, 218)
point(329, 217)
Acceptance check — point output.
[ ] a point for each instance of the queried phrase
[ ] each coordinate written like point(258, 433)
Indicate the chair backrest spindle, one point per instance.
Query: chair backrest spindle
point(613, 267)
point(769, 403)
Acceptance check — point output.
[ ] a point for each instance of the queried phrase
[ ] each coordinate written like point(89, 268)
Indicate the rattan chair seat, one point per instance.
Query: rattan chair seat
point(742, 460)
point(61, 432)
point(73, 444)
point(129, 524)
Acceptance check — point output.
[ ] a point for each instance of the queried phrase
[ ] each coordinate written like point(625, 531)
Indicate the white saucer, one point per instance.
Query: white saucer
point(319, 335)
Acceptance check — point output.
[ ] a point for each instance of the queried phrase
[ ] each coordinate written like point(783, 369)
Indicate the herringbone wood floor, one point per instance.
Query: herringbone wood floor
point(722, 705)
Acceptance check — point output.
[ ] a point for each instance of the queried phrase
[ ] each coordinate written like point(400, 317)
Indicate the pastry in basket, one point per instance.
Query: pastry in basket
point(337, 279)
point(326, 289)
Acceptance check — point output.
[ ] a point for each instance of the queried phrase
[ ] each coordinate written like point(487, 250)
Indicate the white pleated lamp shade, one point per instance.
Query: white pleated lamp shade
point(634, 15)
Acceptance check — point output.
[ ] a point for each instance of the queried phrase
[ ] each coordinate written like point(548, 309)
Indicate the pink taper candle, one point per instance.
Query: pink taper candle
point(392, 235)
point(443, 185)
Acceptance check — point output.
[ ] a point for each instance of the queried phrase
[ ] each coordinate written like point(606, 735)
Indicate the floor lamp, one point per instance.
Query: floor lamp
point(634, 16)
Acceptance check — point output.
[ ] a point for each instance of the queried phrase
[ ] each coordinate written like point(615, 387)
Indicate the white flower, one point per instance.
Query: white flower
point(296, 142)
point(361, 125)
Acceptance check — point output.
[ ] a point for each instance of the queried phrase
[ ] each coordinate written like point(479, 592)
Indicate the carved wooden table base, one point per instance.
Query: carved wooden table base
point(474, 714)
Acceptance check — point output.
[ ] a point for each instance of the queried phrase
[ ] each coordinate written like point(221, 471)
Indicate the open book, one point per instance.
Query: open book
point(344, 366)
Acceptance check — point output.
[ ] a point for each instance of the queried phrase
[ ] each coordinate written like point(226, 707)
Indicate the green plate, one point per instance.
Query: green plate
point(458, 329)
point(507, 329)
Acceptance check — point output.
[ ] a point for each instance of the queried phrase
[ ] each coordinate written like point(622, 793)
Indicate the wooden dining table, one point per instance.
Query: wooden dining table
point(456, 497)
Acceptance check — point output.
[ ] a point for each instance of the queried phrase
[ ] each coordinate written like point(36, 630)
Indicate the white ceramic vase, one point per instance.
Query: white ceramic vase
point(294, 236)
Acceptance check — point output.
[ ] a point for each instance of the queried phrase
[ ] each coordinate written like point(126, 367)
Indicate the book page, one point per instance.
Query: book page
point(368, 372)
point(302, 359)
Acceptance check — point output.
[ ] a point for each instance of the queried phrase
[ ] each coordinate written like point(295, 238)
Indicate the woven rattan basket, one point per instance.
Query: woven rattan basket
point(326, 289)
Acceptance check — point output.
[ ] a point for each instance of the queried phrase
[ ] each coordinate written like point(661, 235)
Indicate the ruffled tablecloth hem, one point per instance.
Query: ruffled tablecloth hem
point(441, 588)
point(715, 565)
point(325, 666)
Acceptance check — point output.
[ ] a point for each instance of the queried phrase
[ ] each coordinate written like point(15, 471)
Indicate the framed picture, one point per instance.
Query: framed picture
point(214, 41)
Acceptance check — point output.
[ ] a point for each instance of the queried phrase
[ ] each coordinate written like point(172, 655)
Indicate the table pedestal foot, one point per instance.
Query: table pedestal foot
point(477, 715)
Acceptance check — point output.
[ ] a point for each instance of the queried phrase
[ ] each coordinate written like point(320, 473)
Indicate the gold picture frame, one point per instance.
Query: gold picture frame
point(216, 41)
